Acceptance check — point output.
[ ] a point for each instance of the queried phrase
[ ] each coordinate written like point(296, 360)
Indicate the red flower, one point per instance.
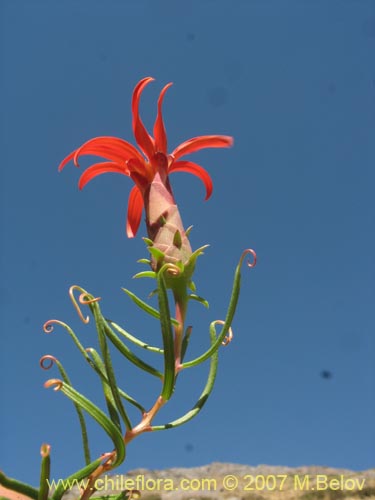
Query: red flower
point(154, 165)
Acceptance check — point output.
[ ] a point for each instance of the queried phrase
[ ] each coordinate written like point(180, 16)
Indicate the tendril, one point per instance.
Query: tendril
point(171, 269)
point(47, 357)
point(55, 383)
point(82, 299)
point(45, 450)
point(228, 338)
point(249, 263)
point(48, 325)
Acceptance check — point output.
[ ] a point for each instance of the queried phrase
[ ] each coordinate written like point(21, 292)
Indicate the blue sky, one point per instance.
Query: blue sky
point(294, 83)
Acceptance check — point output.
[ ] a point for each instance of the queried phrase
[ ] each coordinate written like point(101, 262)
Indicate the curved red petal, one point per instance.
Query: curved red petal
point(112, 148)
point(198, 171)
point(201, 142)
point(135, 207)
point(66, 160)
point(143, 138)
point(159, 128)
point(98, 169)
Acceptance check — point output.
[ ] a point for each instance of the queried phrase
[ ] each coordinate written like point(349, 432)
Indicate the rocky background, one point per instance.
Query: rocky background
point(241, 482)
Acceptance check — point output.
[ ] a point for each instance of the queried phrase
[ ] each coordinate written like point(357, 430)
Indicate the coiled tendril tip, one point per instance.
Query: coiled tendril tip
point(171, 269)
point(48, 327)
point(55, 383)
point(249, 263)
point(228, 339)
point(47, 357)
point(82, 299)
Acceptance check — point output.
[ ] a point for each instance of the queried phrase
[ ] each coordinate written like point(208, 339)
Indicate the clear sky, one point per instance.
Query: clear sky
point(294, 83)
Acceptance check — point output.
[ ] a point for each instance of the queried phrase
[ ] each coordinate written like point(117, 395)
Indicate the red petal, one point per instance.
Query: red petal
point(66, 160)
point(159, 129)
point(143, 138)
point(98, 169)
point(113, 148)
point(201, 142)
point(193, 168)
point(135, 207)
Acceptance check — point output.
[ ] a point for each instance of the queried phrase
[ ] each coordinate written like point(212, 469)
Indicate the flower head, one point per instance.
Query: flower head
point(149, 167)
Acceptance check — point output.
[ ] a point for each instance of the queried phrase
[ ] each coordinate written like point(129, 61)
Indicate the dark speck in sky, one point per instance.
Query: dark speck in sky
point(326, 374)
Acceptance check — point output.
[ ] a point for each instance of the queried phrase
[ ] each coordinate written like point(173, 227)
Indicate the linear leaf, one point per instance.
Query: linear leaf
point(18, 486)
point(97, 414)
point(205, 393)
point(146, 307)
point(133, 339)
point(125, 351)
point(167, 333)
point(228, 320)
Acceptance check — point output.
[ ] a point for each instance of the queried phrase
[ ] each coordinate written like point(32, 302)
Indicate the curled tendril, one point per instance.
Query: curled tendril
point(82, 299)
point(45, 450)
point(47, 357)
point(48, 325)
point(247, 252)
point(85, 301)
point(55, 383)
point(171, 269)
point(228, 339)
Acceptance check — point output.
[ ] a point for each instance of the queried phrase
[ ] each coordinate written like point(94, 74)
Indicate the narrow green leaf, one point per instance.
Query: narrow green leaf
point(148, 242)
point(199, 299)
point(45, 469)
point(18, 486)
point(65, 484)
point(81, 417)
point(145, 274)
point(101, 372)
point(151, 294)
point(100, 322)
point(156, 253)
point(167, 333)
point(146, 307)
point(228, 320)
point(108, 396)
point(205, 393)
point(133, 339)
point(125, 351)
point(73, 336)
point(144, 261)
point(188, 231)
point(97, 414)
